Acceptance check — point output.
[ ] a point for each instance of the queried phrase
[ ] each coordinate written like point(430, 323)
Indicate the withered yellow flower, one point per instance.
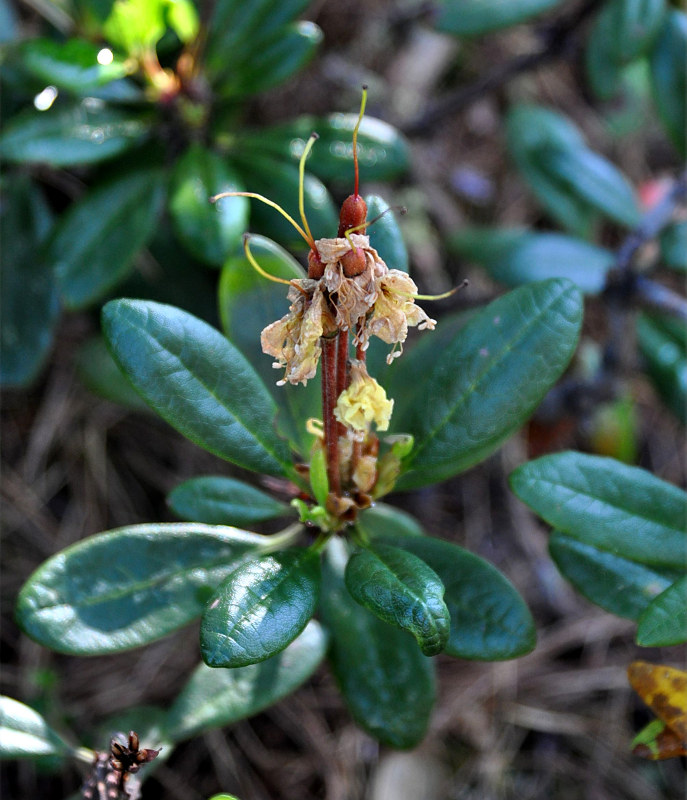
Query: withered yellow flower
point(362, 403)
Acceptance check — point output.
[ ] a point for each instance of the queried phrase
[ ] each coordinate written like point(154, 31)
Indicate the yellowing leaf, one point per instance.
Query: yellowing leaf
point(664, 690)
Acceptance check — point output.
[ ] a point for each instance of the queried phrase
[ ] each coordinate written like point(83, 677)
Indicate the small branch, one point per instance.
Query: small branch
point(559, 38)
point(657, 297)
point(331, 434)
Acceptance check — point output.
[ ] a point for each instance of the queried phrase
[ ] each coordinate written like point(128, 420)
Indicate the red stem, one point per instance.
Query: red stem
point(329, 398)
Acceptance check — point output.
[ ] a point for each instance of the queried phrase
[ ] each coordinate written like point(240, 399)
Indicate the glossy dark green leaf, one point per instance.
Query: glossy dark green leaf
point(617, 584)
point(219, 500)
point(382, 150)
point(248, 303)
point(71, 65)
point(237, 30)
point(674, 246)
point(475, 17)
point(210, 232)
point(609, 505)
point(213, 698)
point(29, 300)
point(487, 381)
point(387, 683)
point(514, 257)
point(197, 381)
point(385, 234)
point(65, 135)
point(662, 345)
point(530, 130)
point(278, 181)
point(273, 60)
point(99, 372)
point(385, 520)
point(260, 608)
point(668, 76)
point(25, 734)
point(402, 590)
point(96, 241)
point(594, 180)
point(489, 619)
point(664, 622)
point(130, 586)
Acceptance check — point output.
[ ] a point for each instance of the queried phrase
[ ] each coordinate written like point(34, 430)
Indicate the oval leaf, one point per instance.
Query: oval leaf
point(668, 76)
point(475, 17)
point(635, 25)
point(210, 232)
point(518, 257)
point(384, 520)
point(489, 619)
point(130, 586)
point(602, 502)
point(662, 345)
point(388, 685)
point(260, 608)
point(674, 246)
point(25, 734)
point(218, 500)
point(617, 584)
point(382, 151)
point(487, 381)
point(71, 65)
point(66, 135)
point(213, 698)
point(402, 590)
point(385, 234)
point(29, 300)
point(97, 239)
point(197, 381)
point(664, 623)
point(99, 372)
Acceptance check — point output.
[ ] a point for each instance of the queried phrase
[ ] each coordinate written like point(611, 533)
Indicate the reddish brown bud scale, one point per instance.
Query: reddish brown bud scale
point(315, 265)
point(353, 214)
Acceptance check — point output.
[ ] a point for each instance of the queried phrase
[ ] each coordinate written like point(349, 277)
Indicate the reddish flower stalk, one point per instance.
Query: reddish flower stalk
point(329, 398)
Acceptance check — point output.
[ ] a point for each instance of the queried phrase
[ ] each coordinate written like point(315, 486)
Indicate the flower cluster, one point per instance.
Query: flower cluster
point(377, 302)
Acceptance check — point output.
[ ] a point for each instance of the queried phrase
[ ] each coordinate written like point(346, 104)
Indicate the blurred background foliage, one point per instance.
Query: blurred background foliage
point(543, 138)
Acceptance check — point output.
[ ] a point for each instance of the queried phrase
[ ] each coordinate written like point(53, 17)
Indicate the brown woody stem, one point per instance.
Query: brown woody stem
point(329, 398)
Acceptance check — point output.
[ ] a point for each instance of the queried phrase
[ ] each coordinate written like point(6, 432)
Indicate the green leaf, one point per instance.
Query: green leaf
point(382, 151)
point(197, 381)
point(278, 181)
point(25, 734)
point(260, 608)
point(594, 180)
point(218, 500)
point(662, 346)
point(668, 76)
point(210, 232)
point(65, 135)
point(603, 70)
point(476, 17)
point(674, 246)
point(664, 622)
point(385, 235)
point(129, 586)
point(623, 510)
point(489, 619)
point(387, 683)
point(29, 301)
point(635, 25)
point(99, 372)
point(214, 698)
point(487, 381)
point(529, 131)
point(514, 257)
point(248, 303)
point(71, 65)
point(383, 520)
point(96, 241)
point(273, 60)
point(237, 30)
point(613, 582)
point(402, 590)
point(138, 25)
